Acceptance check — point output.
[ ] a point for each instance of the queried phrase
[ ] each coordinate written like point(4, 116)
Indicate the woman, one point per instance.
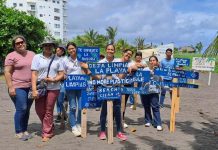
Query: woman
point(18, 78)
point(151, 100)
point(61, 52)
point(73, 66)
point(110, 51)
point(45, 105)
point(127, 54)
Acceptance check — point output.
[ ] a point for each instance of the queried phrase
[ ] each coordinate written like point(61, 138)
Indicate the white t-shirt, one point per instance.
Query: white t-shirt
point(40, 63)
point(72, 66)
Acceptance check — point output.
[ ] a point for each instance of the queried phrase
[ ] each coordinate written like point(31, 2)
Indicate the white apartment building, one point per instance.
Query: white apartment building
point(52, 12)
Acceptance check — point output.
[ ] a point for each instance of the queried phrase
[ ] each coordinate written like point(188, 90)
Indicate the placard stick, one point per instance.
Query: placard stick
point(122, 109)
point(84, 123)
point(209, 79)
point(110, 128)
point(135, 97)
point(177, 99)
point(173, 112)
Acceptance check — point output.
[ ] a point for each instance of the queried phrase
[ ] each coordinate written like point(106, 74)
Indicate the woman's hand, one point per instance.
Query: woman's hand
point(35, 94)
point(12, 91)
point(50, 79)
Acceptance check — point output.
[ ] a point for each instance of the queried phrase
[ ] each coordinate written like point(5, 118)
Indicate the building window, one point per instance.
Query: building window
point(58, 2)
point(56, 10)
point(53, 1)
point(41, 15)
point(46, 0)
point(57, 33)
point(57, 18)
point(15, 4)
point(57, 25)
point(21, 5)
point(32, 7)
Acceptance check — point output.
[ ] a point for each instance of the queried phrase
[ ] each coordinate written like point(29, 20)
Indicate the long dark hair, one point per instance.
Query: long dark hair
point(71, 43)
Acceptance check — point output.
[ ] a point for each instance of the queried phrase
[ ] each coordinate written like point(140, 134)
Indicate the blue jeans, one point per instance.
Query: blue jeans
point(116, 113)
point(163, 93)
point(22, 105)
point(74, 97)
point(151, 101)
point(60, 99)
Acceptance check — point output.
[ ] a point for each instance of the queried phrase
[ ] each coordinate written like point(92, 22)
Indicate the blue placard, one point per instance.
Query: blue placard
point(108, 68)
point(184, 85)
point(176, 73)
point(134, 90)
point(108, 93)
point(76, 82)
point(140, 76)
point(89, 99)
point(88, 54)
point(179, 62)
point(182, 80)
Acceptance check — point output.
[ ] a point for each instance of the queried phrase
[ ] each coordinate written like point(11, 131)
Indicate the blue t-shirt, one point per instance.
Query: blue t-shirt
point(166, 63)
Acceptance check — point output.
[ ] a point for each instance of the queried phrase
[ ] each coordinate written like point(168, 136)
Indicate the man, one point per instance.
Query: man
point(167, 62)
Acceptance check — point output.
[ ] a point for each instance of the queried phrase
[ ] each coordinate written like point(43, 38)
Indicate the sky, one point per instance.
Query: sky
point(182, 22)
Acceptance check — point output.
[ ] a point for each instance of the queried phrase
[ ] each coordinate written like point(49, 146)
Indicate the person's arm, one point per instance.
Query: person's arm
point(34, 81)
point(8, 77)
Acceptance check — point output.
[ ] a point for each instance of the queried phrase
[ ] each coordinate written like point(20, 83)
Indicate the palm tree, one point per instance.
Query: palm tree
point(122, 44)
point(140, 43)
point(199, 47)
point(90, 37)
point(212, 50)
point(111, 34)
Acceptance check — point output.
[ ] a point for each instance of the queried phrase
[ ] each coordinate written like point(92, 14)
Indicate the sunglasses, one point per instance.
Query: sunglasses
point(19, 43)
point(47, 45)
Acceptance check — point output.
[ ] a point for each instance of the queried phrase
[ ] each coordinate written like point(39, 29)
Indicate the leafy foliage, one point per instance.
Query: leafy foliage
point(14, 22)
point(212, 50)
point(111, 34)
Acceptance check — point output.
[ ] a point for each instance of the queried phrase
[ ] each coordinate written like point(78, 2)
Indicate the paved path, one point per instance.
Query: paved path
point(195, 126)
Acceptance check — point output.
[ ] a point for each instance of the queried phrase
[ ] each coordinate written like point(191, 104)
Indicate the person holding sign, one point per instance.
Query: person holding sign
point(110, 51)
point(46, 67)
point(140, 65)
point(73, 67)
point(167, 62)
point(127, 54)
point(151, 100)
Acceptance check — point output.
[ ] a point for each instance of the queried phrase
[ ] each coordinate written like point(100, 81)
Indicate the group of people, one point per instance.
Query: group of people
point(24, 69)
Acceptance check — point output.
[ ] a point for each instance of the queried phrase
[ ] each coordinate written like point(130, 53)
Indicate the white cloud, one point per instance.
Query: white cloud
point(155, 20)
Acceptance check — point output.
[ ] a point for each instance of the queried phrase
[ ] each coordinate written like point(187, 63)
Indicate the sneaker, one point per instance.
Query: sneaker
point(148, 124)
point(58, 119)
point(159, 128)
point(97, 109)
point(102, 135)
point(79, 128)
point(125, 125)
point(131, 106)
point(21, 136)
point(75, 131)
point(28, 135)
point(121, 136)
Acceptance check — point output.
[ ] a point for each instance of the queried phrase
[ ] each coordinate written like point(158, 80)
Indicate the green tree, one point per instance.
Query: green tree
point(199, 47)
point(140, 43)
point(14, 22)
point(212, 50)
point(122, 44)
point(91, 38)
point(111, 34)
